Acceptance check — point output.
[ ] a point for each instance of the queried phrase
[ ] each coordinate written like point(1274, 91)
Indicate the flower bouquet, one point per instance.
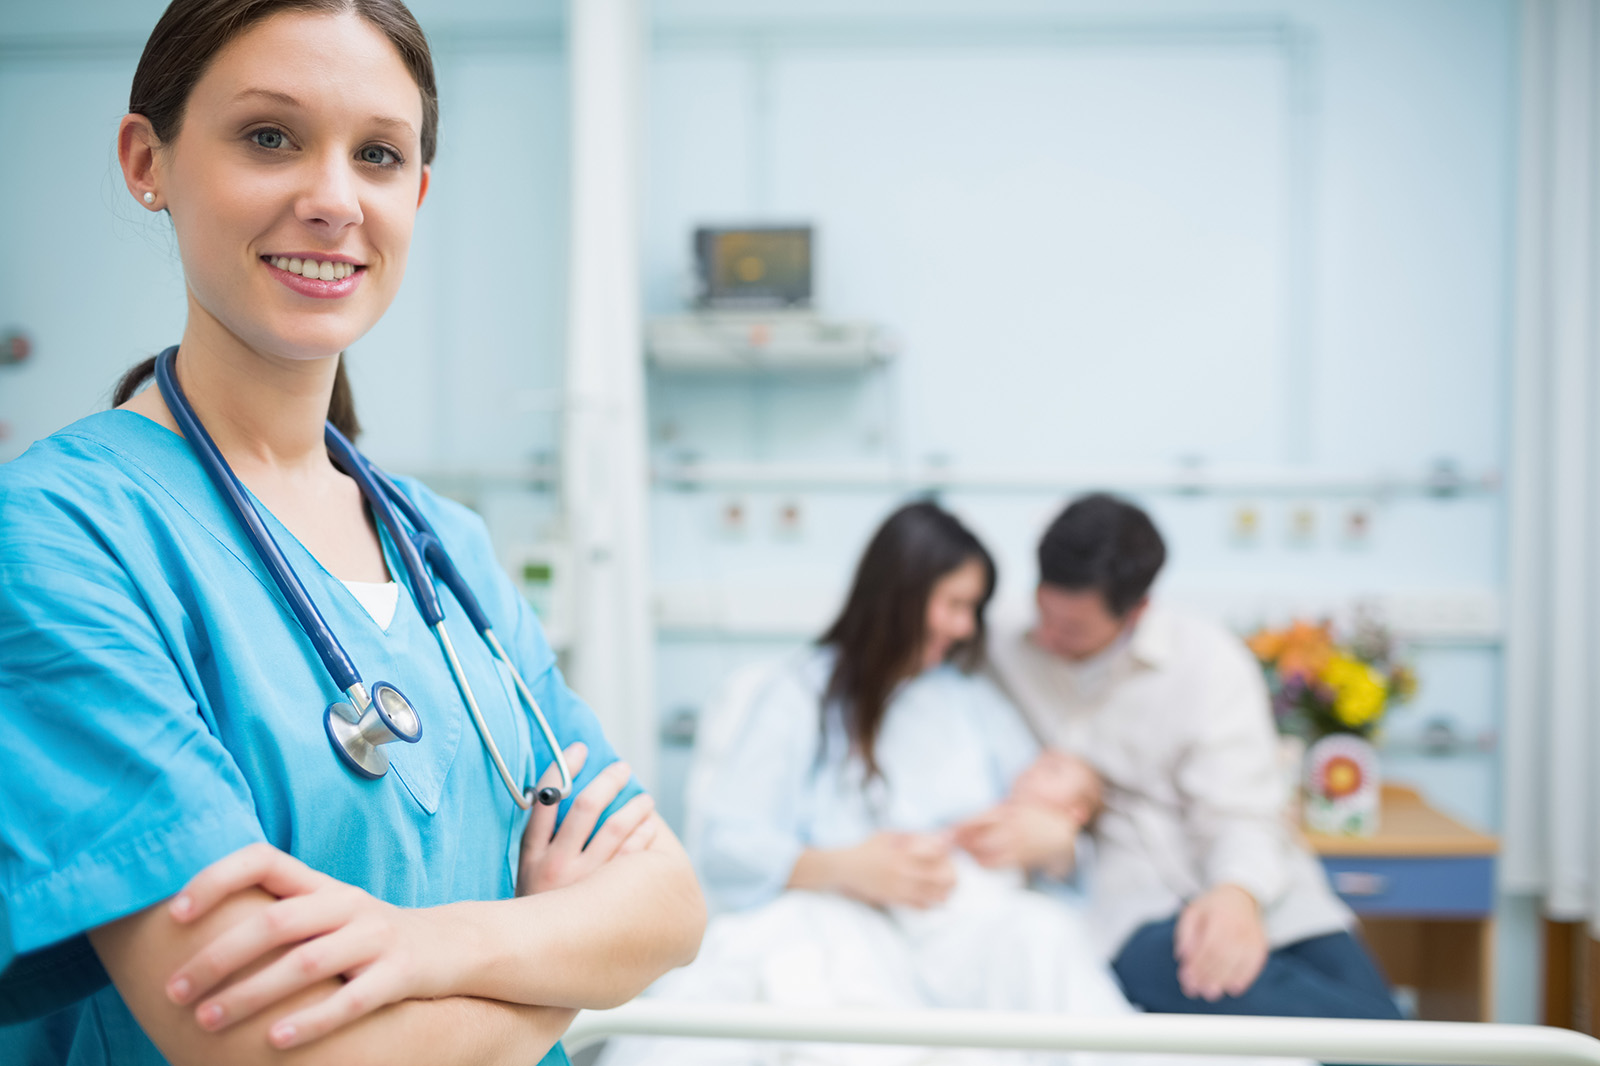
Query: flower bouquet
point(1334, 696)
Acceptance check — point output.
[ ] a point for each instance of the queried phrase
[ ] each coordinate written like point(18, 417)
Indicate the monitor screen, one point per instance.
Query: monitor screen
point(753, 267)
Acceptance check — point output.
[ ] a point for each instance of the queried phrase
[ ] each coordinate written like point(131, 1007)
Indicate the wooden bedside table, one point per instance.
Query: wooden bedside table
point(1423, 888)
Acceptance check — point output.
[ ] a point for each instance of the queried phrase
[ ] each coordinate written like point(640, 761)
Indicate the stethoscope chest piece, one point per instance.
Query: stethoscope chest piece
point(358, 737)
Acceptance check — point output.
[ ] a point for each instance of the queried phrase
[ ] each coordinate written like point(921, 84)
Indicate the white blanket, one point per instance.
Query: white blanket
point(994, 945)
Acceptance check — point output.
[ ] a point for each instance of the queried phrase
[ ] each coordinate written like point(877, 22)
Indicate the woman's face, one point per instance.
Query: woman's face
point(953, 611)
point(294, 181)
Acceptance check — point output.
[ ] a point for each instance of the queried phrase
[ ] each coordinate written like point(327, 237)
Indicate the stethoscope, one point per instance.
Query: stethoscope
point(361, 724)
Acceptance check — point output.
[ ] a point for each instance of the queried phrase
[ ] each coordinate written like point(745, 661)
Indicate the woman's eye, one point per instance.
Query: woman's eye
point(378, 156)
point(269, 138)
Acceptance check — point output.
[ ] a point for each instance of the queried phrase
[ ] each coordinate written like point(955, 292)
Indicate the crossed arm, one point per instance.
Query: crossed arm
point(263, 960)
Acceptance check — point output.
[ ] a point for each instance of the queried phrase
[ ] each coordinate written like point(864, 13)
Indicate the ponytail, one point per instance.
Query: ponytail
point(132, 381)
point(341, 405)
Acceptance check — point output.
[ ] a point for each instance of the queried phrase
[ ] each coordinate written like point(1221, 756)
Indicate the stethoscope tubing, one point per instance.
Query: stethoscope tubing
point(328, 648)
point(419, 551)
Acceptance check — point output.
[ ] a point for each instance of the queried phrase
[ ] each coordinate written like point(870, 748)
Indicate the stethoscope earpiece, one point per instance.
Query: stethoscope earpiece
point(549, 795)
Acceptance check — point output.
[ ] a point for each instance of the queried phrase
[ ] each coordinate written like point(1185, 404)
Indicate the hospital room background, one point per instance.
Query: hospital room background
point(1313, 281)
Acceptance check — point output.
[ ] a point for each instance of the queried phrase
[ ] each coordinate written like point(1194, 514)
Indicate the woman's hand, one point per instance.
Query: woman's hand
point(385, 953)
point(897, 869)
point(1021, 835)
point(554, 858)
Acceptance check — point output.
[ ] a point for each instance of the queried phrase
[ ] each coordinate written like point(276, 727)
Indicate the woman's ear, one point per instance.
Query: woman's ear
point(427, 175)
point(137, 146)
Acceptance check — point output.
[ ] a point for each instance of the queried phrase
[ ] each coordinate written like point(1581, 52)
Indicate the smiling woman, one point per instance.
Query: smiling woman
point(261, 151)
point(251, 896)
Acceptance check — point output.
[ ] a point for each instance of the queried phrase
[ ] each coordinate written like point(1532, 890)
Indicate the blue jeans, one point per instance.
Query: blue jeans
point(1323, 977)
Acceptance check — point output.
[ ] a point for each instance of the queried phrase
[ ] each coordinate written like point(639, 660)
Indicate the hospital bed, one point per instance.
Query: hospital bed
point(1412, 1043)
point(1394, 1043)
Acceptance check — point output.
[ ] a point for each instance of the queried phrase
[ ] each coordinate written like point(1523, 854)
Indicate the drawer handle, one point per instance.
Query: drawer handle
point(1359, 883)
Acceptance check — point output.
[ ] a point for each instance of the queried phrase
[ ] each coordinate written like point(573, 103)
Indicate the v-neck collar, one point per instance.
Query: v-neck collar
point(391, 560)
point(116, 425)
point(169, 460)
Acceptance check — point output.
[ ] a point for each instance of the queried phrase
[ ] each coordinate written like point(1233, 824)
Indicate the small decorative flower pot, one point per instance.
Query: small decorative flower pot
point(1342, 786)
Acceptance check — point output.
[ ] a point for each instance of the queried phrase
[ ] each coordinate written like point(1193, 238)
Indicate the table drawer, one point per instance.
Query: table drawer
point(1443, 887)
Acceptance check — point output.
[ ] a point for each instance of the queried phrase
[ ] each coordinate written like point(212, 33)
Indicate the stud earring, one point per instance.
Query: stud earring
point(149, 199)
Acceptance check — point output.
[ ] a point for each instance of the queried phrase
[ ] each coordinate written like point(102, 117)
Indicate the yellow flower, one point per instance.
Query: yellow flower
point(1359, 692)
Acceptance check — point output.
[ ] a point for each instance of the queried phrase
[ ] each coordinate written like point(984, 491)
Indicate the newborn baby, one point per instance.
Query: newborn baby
point(994, 944)
point(1060, 780)
point(1028, 829)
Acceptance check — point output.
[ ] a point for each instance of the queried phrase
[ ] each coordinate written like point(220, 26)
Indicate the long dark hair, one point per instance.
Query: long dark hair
point(879, 634)
point(188, 37)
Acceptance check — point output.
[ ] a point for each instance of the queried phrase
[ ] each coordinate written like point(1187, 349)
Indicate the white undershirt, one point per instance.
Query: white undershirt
point(380, 598)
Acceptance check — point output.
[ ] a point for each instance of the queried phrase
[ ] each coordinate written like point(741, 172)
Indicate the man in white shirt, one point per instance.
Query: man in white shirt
point(1207, 901)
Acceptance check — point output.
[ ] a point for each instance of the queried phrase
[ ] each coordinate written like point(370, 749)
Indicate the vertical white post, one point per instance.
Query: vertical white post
point(1572, 527)
point(604, 475)
point(1524, 858)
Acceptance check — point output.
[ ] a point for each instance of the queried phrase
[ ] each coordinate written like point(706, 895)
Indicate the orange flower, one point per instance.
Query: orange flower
point(1305, 651)
point(1267, 644)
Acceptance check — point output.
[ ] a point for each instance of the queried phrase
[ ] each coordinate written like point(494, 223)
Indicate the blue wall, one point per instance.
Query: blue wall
point(1108, 238)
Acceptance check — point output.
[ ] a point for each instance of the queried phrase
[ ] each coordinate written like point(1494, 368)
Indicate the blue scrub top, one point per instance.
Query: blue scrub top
point(160, 708)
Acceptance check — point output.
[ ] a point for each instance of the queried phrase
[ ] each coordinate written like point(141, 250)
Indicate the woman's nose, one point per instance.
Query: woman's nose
point(331, 196)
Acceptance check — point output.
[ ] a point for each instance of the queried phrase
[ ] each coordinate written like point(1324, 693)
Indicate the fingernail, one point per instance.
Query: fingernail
point(179, 989)
point(282, 1034)
point(210, 1016)
point(182, 904)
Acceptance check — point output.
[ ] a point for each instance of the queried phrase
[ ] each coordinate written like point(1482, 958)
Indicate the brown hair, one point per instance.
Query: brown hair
point(879, 634)
point(188, 37)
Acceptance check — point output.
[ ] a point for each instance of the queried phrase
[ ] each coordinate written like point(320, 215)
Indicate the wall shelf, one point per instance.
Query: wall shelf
point(1441, 481)
point(723, 341)
point(846, 477)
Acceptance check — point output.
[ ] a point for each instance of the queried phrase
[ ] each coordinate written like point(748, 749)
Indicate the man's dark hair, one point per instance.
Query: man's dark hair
point(1100, 542)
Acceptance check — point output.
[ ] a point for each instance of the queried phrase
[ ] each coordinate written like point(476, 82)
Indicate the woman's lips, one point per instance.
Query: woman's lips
point(317, 287)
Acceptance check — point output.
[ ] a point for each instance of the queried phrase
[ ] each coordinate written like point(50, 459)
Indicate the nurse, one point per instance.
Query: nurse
point(188, 872)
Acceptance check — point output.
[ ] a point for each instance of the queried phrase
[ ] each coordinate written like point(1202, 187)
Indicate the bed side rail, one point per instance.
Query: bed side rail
point(1327, 1040)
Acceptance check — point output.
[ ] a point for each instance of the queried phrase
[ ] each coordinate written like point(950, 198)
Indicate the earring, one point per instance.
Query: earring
point(149, 199)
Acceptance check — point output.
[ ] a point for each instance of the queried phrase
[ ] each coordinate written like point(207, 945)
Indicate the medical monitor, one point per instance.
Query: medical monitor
point(753, 268)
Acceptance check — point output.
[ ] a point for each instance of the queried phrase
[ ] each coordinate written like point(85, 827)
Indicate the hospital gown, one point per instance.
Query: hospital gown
point(949, 747)
point(162, 708)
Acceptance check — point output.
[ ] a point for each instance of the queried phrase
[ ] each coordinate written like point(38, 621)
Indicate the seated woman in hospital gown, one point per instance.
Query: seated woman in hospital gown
point(858, 828)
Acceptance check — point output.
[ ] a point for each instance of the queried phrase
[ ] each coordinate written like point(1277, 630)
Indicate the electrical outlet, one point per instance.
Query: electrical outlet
point(1302, 525)
point(790, 519)
point(1357, 527)
point(1245, 526)
point(733, 517)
